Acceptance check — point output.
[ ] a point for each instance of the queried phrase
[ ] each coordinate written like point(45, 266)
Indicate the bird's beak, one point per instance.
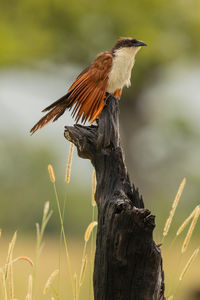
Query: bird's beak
point(139, 44)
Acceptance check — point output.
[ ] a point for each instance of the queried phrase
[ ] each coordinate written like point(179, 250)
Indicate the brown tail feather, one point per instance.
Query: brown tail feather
point(54, 114)
point(59, 101)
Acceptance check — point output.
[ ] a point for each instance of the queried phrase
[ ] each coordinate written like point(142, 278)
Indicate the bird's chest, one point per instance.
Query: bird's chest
point(120, 74)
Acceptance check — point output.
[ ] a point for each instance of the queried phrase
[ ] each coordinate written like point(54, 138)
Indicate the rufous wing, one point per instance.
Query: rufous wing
point(85, 96)
point(88, 91)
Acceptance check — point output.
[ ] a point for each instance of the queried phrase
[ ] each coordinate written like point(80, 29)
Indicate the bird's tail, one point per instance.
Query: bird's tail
point(57, 109)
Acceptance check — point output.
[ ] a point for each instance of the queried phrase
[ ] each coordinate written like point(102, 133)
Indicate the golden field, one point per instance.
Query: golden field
point(49, 261)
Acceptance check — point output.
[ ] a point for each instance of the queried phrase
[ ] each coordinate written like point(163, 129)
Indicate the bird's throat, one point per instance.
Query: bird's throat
point(120, 74)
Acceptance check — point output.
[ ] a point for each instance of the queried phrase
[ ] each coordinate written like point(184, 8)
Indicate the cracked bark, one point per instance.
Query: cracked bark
point(128, 263)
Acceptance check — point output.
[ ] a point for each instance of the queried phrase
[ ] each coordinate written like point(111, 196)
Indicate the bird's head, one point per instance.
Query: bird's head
point(128, 43)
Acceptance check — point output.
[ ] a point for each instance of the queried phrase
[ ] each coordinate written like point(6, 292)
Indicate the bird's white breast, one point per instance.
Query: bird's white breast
point(120, 73)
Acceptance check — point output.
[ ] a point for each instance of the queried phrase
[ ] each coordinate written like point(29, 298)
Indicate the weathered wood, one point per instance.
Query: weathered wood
point(128, 264)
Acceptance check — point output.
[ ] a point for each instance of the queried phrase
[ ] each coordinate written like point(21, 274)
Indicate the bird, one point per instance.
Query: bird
point(109, 73)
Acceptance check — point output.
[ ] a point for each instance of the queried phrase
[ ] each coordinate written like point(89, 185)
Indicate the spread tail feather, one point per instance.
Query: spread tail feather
point(59, 101)
point(56, 110)
point(54, 114)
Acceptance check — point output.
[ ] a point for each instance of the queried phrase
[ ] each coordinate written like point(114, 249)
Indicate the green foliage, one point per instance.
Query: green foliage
point(25, 187)
point(76, 30)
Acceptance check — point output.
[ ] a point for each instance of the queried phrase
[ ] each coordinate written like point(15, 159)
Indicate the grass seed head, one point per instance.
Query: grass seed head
point(191, 229)
point(190, 261)
point(89, 230)
point(10, 252)
point(93, 187)
point(26, 258)
point(51, 173)
point(184, 224)
point(49, 281)
point(46, 208)
point(174, 206)
point(69, 163)
point(75, 287)
point(3, 278)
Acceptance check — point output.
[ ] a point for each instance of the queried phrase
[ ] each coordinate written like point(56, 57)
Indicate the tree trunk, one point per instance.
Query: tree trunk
point(128, 264)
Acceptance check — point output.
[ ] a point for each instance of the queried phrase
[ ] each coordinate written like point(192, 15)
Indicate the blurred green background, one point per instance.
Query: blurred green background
point(44, 45)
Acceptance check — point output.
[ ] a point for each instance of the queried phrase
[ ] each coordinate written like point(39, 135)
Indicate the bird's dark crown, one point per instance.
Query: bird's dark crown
point(127, 42)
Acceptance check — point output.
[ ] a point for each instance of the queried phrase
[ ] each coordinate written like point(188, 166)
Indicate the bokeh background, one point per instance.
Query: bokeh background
point(43, 47)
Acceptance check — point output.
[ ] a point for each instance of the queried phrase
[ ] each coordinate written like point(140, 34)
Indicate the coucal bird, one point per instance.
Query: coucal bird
point(109, 73)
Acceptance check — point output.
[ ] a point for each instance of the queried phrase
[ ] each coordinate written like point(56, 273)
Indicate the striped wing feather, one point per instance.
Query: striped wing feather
point(89, 89)
point(85, 96)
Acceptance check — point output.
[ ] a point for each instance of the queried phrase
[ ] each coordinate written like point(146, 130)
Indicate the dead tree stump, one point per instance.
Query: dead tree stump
point(128, 263)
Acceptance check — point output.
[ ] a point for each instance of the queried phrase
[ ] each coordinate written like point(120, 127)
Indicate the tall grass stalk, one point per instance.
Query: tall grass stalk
point(6, 271)
point(69, 163)
point(185, 223)
point(10, 252)
point(83, 271)
point(55, 292)
point(39, 234)
point(49, 281)
point(30, 288)
point(191, 229)
point(3, 280)
point(63, 231)
point(67, 180)
point(9, 267)
point(186, 268)
point(194, 216)
point(75, 287)
point(86, 238)
point(174, 206)
point(60, 245)
point(91, 256)
point(93, 203)
point(190, 261)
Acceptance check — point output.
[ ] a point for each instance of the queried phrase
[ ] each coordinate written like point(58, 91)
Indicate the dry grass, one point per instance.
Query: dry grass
point(51, 173)
point(83, 271)
point(7, 274)
point(93, 187)
point(76, 287)
point(48, 261)
point(190, 261)
point(186, 222)
point(174, 206)
point(178, 275)
point(89, 230)
point(30, 288)
point(69, 163)
point(191, 229)
point(50, 280)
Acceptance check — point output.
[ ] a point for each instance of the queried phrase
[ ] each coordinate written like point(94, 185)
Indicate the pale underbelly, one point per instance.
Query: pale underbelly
point(120, 76)
point(117, 84)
